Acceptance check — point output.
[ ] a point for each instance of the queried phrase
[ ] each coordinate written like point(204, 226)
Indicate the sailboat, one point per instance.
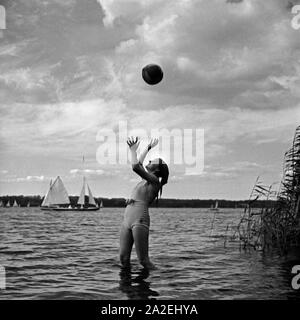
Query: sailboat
point(57, 198)
point(91, 201)
point(1, 204)
point(215, 208)
point(15, 204)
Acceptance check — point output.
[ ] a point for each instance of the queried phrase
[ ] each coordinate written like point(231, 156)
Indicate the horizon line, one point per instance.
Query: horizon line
point(182, 199)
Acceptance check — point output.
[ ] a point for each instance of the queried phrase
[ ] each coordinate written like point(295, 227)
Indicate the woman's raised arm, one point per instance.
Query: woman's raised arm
point(137, 166)
point(151, 145)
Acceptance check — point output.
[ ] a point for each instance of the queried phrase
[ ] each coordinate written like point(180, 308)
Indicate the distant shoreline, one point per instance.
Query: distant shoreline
point(35, 201)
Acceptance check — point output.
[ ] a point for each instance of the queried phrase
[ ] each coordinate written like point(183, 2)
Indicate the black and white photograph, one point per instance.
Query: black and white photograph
point(150, 150)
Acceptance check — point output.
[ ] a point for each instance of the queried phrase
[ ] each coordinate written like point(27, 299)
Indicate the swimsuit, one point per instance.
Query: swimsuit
point(136, 214)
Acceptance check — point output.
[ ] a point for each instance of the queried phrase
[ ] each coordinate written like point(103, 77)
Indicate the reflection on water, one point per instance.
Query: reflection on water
point(136, 287)
point(75, 256)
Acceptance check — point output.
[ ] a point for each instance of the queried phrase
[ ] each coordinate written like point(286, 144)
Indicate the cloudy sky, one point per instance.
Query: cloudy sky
point(69, 68)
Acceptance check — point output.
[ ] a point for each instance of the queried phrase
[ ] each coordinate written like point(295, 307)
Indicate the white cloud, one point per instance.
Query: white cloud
point(229, 68)
point(25, 179)
point(86, 171)
point(94, 172)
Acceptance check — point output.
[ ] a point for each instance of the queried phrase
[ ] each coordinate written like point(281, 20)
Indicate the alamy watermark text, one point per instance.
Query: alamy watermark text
point(2, 278)
point(295, 22)
point(2, 18)
point(177, 146)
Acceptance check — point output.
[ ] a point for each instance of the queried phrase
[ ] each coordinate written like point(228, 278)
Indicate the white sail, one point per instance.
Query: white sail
point(82, 194)
point(8, 204)
point(101, 204)
point(1, 203)
point(91, 197)
point(15, 204)
point(214, 207)
point(47, 200)
point(28, 204)
point(57, 194)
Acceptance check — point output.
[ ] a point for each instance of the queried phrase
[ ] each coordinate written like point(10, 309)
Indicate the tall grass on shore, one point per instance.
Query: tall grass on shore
point(279, 225)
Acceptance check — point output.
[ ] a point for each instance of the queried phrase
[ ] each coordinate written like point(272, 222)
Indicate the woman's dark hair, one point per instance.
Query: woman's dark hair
point(163, 173)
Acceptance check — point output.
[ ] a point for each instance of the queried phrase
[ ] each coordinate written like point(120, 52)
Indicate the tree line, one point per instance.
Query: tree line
point(36, 201)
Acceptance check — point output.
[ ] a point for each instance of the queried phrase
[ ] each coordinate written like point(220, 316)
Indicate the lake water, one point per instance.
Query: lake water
point(75, 256)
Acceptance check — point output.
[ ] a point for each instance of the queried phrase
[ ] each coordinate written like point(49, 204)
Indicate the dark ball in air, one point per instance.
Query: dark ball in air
point(152, 74)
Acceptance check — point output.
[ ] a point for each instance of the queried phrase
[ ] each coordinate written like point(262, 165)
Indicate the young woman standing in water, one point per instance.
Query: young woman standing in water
point(135, 227)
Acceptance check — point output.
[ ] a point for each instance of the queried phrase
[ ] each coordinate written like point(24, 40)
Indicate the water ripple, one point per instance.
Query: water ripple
point(71, 256)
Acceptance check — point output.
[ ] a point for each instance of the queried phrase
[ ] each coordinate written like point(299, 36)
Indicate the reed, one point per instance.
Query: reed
point(279, 225)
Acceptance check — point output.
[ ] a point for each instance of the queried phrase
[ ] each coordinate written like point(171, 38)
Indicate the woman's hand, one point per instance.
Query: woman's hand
point(153, 143)
point(133, 143)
